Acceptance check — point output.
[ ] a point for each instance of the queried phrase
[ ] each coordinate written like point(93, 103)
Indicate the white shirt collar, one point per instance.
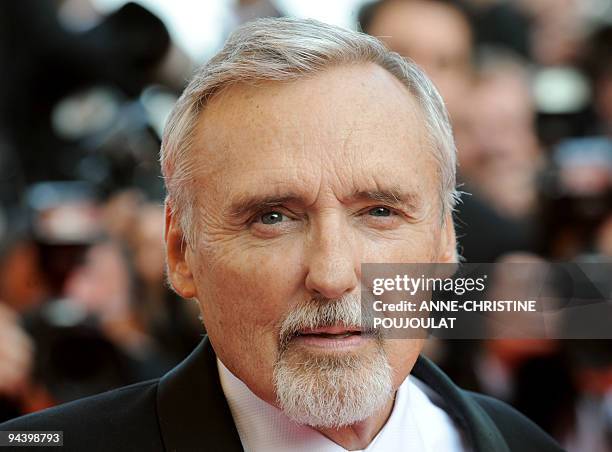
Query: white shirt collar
point(415, 424)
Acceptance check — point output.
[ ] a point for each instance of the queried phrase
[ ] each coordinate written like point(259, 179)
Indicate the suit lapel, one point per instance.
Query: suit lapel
point(191, 407)
point(483, 434)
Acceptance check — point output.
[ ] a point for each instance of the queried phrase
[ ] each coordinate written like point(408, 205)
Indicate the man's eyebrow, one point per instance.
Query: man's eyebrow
point(392, 196)
point(246, 204)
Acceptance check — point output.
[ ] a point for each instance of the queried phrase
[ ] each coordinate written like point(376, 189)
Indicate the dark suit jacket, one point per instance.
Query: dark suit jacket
point(186, 410)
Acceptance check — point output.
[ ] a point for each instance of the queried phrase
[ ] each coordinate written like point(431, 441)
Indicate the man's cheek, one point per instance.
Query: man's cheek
point(416, 245)
point(254, 296)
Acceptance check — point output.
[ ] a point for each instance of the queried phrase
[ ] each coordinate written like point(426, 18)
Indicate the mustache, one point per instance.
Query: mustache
point(320, 312)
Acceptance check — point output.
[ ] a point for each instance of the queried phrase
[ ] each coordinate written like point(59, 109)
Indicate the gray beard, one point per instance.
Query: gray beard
point(330, 390)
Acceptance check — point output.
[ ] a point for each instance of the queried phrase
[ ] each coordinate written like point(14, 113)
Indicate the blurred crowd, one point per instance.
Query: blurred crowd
point(84, 306)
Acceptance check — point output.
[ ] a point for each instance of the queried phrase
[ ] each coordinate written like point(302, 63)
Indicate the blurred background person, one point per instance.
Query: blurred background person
point(16, 363)
point(437, 35)
point(598, 66)
point(501, 158)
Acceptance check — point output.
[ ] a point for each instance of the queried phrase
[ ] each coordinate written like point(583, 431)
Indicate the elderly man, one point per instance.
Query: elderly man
point(296, 154)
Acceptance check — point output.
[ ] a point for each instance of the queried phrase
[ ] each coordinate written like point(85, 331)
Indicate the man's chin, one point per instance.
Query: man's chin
point(331, 387)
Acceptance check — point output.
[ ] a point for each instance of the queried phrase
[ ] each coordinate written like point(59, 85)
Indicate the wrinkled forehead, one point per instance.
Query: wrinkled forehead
point(347, 127)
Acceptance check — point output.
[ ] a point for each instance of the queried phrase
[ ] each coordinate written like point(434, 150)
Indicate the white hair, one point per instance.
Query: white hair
point(287, 49)
point(330, 390)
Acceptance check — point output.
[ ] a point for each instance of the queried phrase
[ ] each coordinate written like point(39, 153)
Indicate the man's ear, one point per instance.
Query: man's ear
point(447, 253)
point(448, 241)
point(180, 273)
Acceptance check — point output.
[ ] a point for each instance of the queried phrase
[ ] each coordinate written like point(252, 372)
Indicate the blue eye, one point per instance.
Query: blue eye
point(271, 218)
point(380, 212)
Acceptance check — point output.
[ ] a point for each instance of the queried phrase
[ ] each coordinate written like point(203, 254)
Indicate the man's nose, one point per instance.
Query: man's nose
point(333, 266)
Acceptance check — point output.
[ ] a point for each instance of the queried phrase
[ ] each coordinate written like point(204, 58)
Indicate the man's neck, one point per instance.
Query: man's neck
point(359, 435)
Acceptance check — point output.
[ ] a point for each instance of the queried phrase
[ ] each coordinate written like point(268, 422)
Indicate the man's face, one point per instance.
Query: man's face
point(299, 184)
point(436, 36)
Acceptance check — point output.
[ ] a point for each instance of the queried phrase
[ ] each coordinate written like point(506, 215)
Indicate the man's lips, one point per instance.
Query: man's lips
point(335, 329)
point(331, 331)
point(332, 337)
